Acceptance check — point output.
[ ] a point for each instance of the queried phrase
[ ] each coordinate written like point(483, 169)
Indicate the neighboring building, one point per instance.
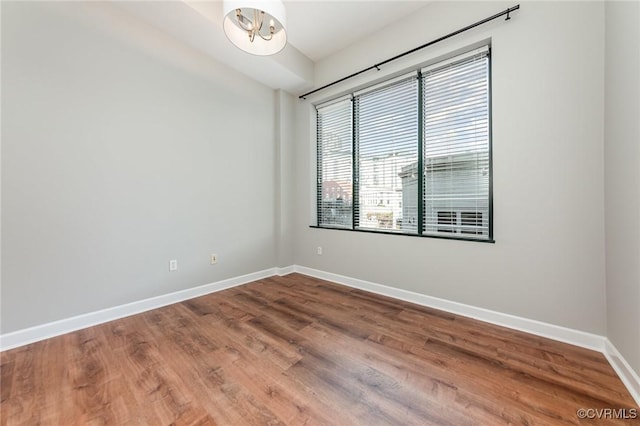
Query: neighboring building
point(336, 204)
point(337, 197)
point(409, 178)
point(380, 192)
point(455, 194)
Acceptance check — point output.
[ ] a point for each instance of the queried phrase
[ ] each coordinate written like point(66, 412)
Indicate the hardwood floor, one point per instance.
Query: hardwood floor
point(296, 350)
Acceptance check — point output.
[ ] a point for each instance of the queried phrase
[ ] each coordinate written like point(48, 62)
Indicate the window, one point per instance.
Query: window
point(386, 129)
point(411, 155)
point(456, 143)
point(335, 171)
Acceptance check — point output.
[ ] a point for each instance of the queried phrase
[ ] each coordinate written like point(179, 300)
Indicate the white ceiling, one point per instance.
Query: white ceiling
point(320, 28)
point(315, 29)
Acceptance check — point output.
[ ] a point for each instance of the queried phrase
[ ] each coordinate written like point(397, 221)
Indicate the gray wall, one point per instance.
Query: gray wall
point(548, 260)
point(116, 159)
point(622, 178)
point(285, 113)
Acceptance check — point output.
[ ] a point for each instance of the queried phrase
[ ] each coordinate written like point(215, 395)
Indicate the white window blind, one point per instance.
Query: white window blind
point(456, 147)
point(334, 160)
point(411, 155)
point(386, 140)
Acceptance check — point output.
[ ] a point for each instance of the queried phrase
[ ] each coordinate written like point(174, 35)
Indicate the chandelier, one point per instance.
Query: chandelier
point(255, 26)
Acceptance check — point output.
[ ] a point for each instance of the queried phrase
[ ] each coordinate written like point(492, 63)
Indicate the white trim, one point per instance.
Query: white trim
point(67, 325)
point(628, 376)
point(555, 332)
point(286, 270)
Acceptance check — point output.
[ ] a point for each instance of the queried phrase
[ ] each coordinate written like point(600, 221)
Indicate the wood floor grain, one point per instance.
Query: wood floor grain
point(296, 350)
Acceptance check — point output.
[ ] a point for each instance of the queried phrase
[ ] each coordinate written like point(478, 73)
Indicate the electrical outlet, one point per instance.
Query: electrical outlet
point(214, 259)
point(173, 265)
point(319, 251)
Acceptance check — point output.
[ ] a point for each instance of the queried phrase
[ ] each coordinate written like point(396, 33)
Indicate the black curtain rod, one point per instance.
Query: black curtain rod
point(408, 52)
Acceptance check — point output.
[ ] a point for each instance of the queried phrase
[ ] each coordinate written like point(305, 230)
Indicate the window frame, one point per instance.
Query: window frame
point(455, 234)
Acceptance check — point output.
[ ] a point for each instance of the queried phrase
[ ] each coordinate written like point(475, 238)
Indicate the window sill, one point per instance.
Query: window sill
point(372, 231)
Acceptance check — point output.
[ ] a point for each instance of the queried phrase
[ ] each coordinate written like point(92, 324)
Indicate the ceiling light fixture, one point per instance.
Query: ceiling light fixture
point(255, 26)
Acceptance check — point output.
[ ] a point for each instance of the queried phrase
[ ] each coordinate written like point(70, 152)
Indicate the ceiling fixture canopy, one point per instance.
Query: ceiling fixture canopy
point(255, 26)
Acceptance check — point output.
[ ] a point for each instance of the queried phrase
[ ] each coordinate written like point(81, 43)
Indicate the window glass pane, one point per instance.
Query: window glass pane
point(334, 197)
point(387, 151)
point(446, 218)
point(456, 148)
point(471, 222)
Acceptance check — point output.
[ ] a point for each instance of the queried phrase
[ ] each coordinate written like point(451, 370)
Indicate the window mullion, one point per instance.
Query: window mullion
point(318, 172)
point(355, 179)
point(420, 157)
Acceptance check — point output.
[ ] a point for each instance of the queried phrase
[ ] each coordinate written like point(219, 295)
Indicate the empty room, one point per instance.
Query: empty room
point(319, 212)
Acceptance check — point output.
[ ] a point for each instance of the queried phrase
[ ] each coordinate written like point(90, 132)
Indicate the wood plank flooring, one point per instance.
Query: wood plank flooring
point(296, 350)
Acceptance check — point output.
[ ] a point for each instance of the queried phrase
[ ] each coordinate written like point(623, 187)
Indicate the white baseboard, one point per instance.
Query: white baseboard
point(67, 325)
point(628, 376)
point(555, 332)
point(286, 270)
